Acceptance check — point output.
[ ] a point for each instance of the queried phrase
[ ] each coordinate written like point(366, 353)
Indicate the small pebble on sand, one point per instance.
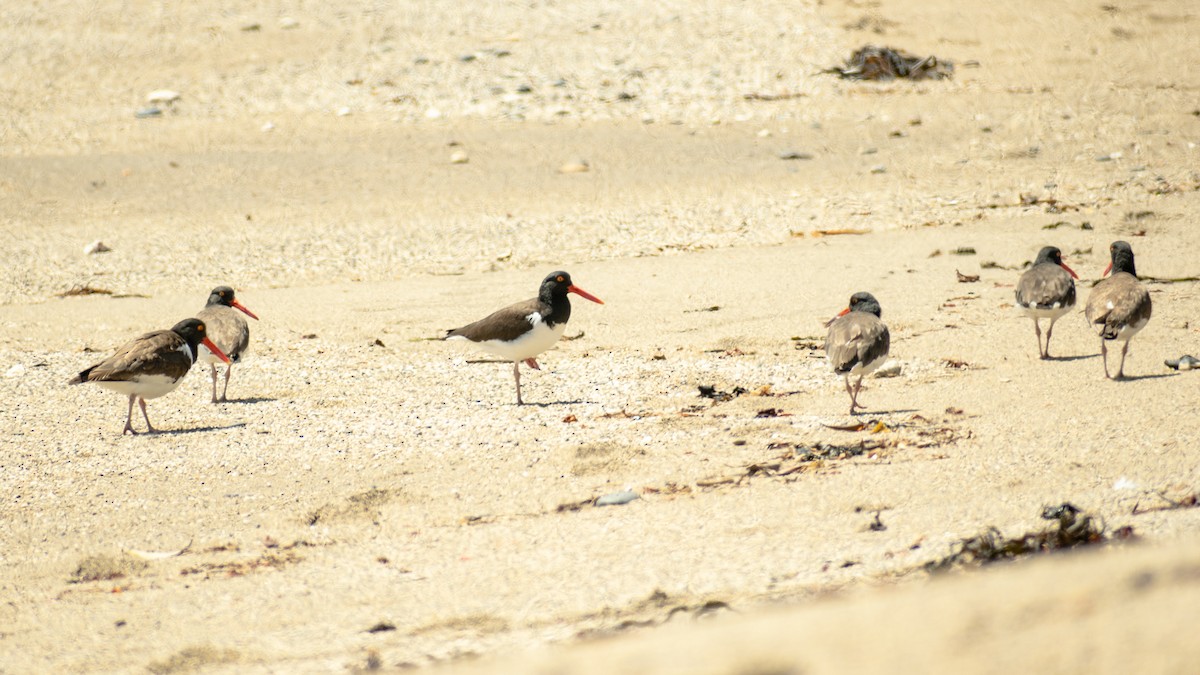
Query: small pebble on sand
point(578, 165)
point(163, 96)
point(459, 157)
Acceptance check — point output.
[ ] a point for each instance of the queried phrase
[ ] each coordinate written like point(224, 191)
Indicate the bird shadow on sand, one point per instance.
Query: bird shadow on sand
point(1135, 378)
point(549, 404)
point(875, 411)
point(1077, 357)
point(195, 430)
point(249, 400)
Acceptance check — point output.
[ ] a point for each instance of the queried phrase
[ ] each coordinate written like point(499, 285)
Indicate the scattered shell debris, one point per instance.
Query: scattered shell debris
point(891, 368)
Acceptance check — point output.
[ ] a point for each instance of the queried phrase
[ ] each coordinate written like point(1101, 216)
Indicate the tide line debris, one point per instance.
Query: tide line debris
point(1073, 528)
point(885, 63)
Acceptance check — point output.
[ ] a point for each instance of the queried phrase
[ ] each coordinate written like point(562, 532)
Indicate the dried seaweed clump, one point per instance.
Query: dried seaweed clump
point(884, 63)
point(1074, 528)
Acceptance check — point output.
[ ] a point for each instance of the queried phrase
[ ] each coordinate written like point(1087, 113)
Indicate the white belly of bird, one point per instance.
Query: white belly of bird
point(1053, 312)
point(535, 341)
point(205, 356)
point(146, 386)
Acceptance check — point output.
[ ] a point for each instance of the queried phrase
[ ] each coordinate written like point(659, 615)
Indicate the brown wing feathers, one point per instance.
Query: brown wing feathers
point(1045, 285)
point(506, 324)
point(1130, 304)
point(155, 353)
point(856, 338)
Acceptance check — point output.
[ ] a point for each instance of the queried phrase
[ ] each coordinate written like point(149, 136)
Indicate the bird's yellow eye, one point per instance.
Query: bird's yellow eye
point(200, 327)
point(560, 279)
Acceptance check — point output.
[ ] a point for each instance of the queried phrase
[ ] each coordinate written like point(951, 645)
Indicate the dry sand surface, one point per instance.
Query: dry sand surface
point(373, 498)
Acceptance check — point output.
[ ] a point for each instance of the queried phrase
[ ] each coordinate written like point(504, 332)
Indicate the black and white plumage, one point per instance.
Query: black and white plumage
point(1046, 291)
point(150, 366)
point(521, 331)
point(1119, 306)
point(857, 342)
point(228, 330)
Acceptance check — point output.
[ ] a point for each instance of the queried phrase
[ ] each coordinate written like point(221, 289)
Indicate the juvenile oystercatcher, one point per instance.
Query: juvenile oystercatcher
point(1046, 291)
point(522, 331)
point(1119, 306)
point(857, 342)
point(228, 330)
point(150, 366)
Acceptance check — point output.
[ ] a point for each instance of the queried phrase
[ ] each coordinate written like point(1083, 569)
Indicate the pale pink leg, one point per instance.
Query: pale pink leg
point(129, 418)
point(854, 396)
point(149, 427)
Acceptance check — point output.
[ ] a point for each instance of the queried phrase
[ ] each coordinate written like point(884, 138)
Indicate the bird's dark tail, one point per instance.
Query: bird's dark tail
point(81, 377)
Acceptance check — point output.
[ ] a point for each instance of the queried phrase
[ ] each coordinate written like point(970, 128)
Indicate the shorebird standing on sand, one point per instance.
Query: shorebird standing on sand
point(228, 330)
point(520, 332)
point(857, 342)
point(150, 366)
point(1118, 306)
point(1046, 291)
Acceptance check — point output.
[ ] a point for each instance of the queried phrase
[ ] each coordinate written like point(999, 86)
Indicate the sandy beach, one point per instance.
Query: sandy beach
point(371, 498)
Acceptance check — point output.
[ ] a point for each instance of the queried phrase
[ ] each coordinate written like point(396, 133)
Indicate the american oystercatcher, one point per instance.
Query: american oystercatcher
point(1047, 291)
point(228, 330)
point(522, 331)
point(150, 366)
point(1119, 306)
point(857, 342)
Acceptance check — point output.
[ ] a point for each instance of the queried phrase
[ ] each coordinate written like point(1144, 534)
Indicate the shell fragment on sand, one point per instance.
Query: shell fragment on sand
point(96, 247)
point(1185, 362)
point(617, 498)
point(163, 96)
